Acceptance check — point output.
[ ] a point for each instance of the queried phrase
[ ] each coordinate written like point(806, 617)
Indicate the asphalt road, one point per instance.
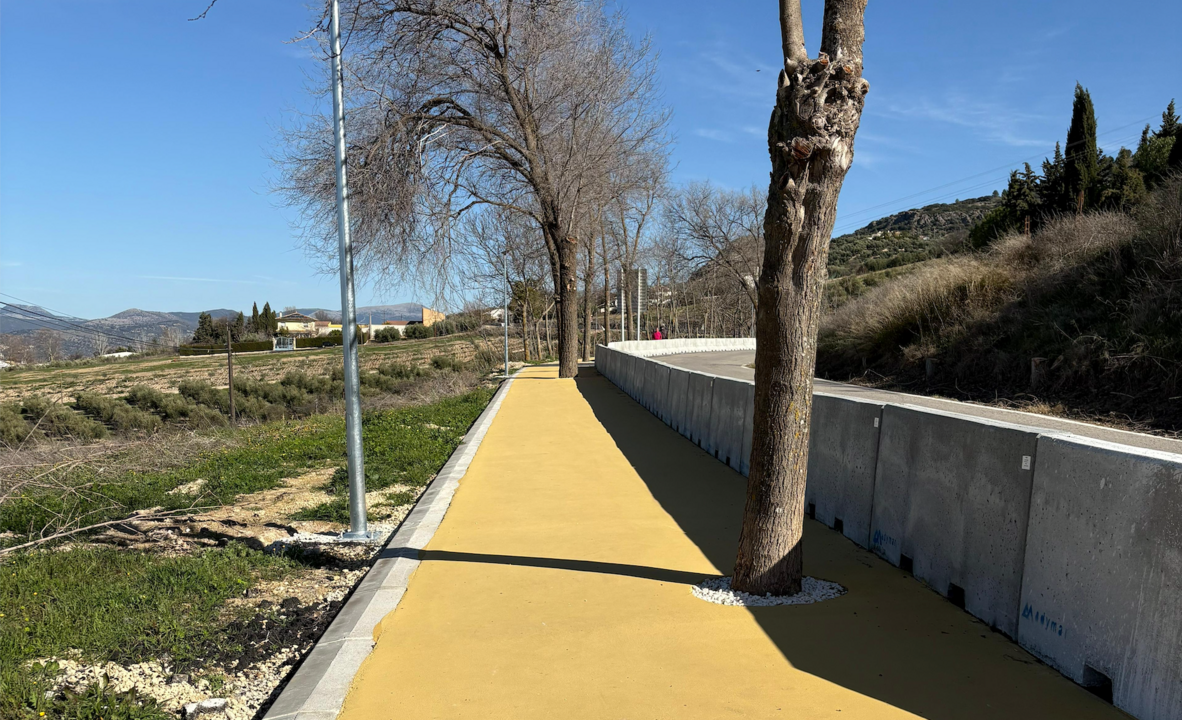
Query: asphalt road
point(734, 364)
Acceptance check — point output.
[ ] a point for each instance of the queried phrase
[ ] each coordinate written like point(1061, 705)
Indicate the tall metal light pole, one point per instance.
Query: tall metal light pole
point(358, 527)
point(506, 316)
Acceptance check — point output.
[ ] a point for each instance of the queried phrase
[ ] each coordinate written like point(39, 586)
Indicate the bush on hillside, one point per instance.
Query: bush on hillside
point(1099, 295)
point(116, 413)
point(447, 362)
point(417, 332)
point(14, 429)
point(61, 422)
point(387, 334)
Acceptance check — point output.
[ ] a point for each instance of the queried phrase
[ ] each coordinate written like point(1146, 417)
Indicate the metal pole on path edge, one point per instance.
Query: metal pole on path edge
point(358, 528)
point(506, 317)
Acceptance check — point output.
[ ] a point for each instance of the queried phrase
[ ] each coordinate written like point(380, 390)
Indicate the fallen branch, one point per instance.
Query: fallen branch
point(130, 518)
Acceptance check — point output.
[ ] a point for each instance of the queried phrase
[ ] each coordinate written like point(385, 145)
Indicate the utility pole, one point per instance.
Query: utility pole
point(358, 527)
point(506, 315)
point(620, 288)
point(230, 369)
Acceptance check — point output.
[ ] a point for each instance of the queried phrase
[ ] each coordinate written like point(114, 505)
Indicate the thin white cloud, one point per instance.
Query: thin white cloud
point(993, 121)
point(11, 263)
point(173, 278)
point(716, 135)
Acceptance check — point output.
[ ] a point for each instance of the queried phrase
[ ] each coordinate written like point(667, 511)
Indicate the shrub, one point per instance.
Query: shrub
point(418, 332)
point(446, 362)
point(14, 429)
point(201, 416)
point(318, 342)
point(203, 393)
point(387, 334)
point(400, 371)
point(116, 413)
point(144, 397)
point(59, 421)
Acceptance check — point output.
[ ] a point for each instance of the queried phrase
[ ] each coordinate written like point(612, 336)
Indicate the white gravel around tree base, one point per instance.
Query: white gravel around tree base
point(812, 590)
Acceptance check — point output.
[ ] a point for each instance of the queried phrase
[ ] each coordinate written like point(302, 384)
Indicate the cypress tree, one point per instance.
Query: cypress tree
point(1021, 198)
point(1082, 167)
point(254, 318)
point(1169, 123)
point(1052, 188)
point(270, 320)
point(205, 331)
point(239, 328)
point(1174, 162)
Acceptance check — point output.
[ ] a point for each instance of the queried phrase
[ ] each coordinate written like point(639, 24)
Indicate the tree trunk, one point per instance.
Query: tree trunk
point(525, 324)
point(810, 139)
point(587, 311)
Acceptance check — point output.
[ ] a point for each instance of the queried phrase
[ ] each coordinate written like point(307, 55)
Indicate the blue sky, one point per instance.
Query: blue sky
point(135, 146)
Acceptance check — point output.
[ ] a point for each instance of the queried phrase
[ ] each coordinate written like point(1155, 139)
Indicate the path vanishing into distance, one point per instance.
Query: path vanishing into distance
point(558, 586)
point(736, 364)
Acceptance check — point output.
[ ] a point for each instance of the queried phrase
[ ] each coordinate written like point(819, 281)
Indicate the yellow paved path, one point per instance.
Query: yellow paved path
point(558, 587)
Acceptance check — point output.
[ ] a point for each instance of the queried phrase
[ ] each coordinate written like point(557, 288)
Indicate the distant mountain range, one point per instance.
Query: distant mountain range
point(135, 325)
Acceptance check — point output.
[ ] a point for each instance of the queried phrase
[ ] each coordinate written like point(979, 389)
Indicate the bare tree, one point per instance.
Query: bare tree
point(99, 344)
point(17, 349)
point(48, 344)
point(456, 105)
point(321, 315)
point(723, 227)
point(811, 141)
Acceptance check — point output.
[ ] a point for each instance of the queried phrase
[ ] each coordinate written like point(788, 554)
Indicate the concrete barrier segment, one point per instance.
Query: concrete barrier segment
point(699, 403)
point(843, 456)
point(953, 494)
point(1102, 592)
point(728, 410)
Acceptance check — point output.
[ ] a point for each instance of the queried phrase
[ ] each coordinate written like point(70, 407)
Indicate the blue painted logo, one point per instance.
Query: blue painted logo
point(881, 540)
point(1054, 627)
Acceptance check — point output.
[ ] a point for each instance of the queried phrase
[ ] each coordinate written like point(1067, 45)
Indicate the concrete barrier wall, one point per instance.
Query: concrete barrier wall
point(653, 348)
point(953, 494)
point(843, 454)
point(1102, 593)
point(1072, 546)
point(678, 400)
point(730, 412)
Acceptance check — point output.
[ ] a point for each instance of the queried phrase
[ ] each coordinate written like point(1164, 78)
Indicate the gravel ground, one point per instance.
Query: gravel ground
point(718, 591)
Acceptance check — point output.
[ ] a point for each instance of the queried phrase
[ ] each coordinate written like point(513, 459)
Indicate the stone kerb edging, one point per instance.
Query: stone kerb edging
point(318, 688)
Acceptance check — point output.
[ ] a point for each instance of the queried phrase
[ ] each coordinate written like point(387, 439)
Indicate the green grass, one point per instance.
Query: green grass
point(115, 605)
point(131, 606)
point(406, 446)
point(400, 447)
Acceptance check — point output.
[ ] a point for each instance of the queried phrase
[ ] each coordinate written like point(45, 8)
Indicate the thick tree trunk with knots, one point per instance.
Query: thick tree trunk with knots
point(811, 141)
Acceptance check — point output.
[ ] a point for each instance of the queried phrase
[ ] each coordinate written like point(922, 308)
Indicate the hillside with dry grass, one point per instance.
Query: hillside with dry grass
point(1091, 302)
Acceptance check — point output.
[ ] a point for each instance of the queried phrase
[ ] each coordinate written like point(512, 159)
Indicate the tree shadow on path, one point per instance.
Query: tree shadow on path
point(889, 637)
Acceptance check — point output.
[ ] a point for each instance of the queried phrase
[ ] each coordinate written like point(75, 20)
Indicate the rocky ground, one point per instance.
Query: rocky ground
point(277, 621)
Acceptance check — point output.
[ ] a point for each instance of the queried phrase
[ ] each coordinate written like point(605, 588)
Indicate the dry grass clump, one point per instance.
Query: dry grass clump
point(1098, 297)
point(918, 312)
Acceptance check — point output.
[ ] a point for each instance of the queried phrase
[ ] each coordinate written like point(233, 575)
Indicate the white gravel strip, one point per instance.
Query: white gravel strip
point(812, 590)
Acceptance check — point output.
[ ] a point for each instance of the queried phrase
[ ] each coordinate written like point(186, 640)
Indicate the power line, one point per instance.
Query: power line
point(80, 329)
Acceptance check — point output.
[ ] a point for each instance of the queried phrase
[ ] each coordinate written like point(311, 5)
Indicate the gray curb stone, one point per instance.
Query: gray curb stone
point(318, 688)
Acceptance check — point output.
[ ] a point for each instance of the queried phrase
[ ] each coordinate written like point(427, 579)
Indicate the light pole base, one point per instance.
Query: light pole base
point(359, 536)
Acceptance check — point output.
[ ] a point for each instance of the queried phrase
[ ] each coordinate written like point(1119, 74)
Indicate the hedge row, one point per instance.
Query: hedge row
point(257, 346)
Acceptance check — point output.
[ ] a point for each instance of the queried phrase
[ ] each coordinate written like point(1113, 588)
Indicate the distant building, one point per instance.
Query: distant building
point(430, 317)
point(297, 324)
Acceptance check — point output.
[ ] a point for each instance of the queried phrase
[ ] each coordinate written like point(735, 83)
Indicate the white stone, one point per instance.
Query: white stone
point(205, 707)
point(812, 590)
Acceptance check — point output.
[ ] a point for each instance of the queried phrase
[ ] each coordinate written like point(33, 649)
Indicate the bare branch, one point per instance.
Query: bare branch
point(792, 34)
